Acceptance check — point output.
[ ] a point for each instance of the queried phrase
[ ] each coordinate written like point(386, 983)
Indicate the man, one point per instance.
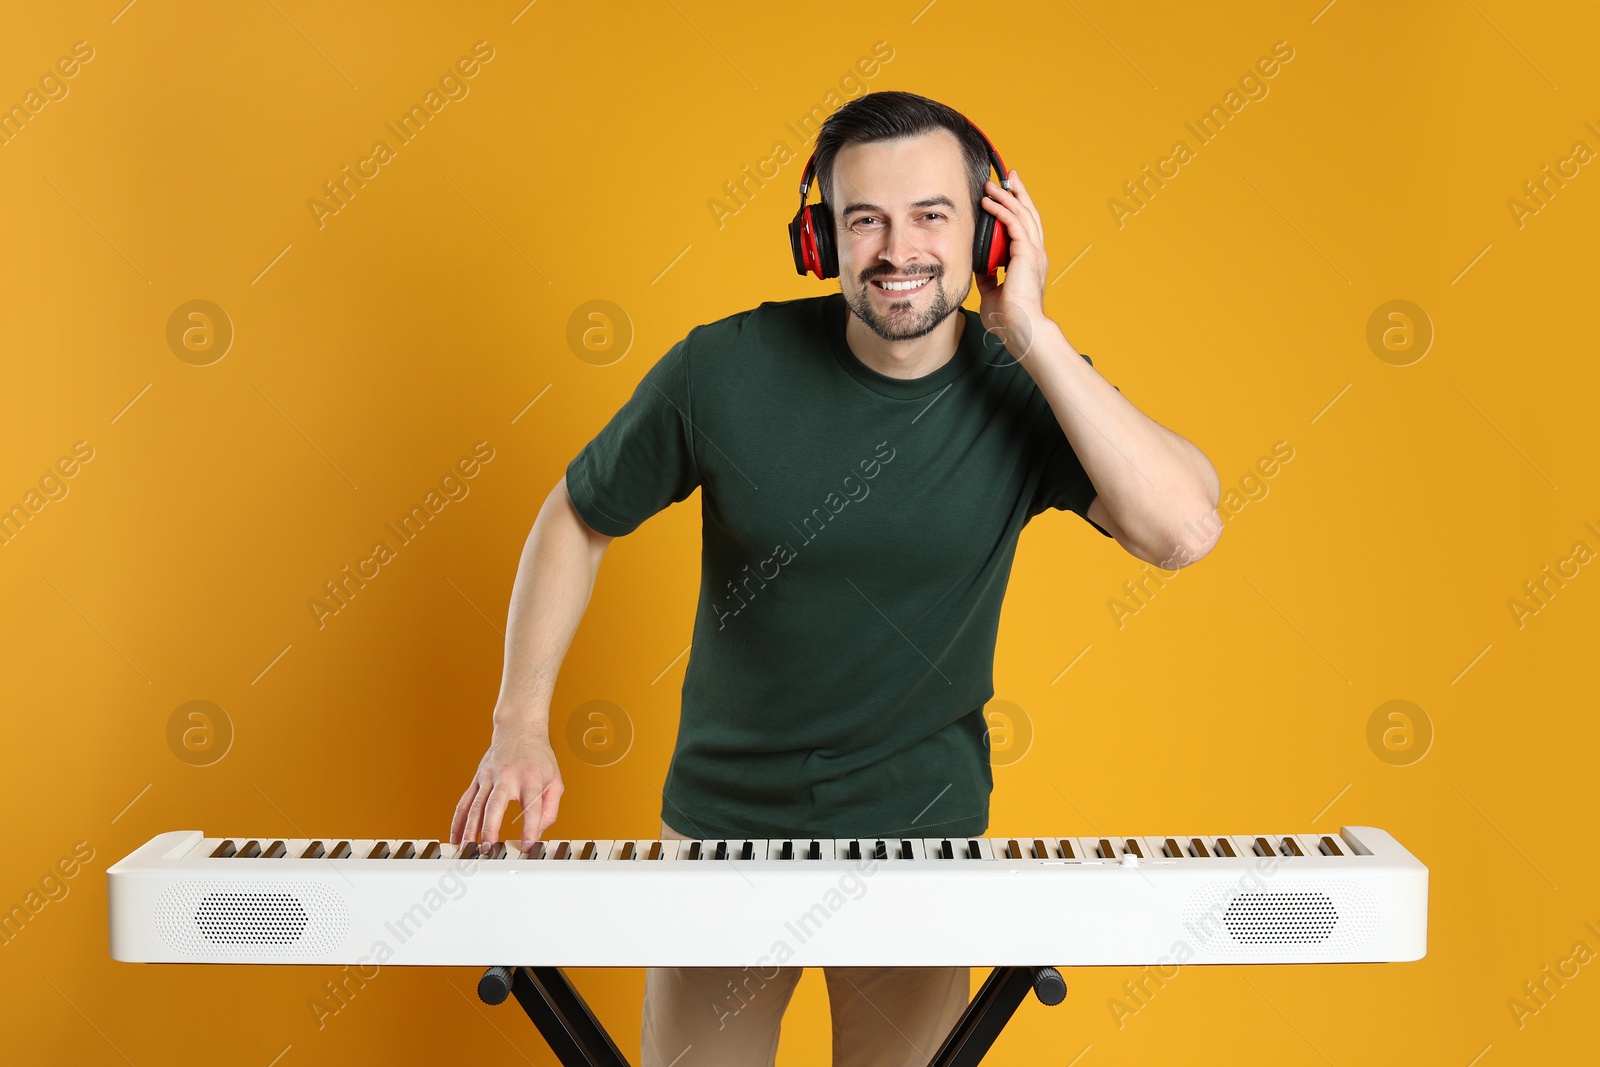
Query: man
point(867, 461)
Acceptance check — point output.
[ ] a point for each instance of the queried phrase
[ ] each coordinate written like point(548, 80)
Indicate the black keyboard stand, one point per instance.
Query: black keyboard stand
point(992, 1008)
point(568, 1026)
point(578, 1039)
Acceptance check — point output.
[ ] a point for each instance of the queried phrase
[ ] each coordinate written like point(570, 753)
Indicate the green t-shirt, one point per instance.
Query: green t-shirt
point(857, 536)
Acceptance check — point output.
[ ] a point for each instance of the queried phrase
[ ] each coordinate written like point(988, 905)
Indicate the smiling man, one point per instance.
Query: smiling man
point(868, 460)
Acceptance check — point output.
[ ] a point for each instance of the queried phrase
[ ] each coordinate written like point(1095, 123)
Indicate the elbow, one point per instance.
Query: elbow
point(1210, 483)
point(1193, 540)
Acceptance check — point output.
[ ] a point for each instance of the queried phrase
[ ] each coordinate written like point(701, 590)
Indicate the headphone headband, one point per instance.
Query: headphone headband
point(994, 161)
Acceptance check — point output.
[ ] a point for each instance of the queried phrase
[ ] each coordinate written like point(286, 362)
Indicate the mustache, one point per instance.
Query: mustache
point(932, 272)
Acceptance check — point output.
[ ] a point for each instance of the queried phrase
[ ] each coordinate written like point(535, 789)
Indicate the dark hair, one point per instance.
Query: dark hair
point(891, 115)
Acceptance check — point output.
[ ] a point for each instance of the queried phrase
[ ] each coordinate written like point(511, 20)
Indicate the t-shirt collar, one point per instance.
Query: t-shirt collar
point(835, 312)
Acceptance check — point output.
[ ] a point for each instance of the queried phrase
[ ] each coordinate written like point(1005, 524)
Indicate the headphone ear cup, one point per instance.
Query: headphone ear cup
point(798, 242)
point(811, 241)
point(991, 245)
point(822, 231)
point(982, 238)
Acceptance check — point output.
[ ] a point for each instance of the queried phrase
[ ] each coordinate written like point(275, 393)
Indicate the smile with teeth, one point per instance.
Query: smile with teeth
point(902, 287)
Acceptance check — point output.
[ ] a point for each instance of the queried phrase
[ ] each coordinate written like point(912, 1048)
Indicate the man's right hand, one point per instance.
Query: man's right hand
point(520, 766)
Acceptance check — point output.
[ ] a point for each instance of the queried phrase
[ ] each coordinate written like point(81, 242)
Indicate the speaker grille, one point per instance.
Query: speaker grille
point(234, 920)
point(1313, 920)
point(251, 918)
point(1281, 918)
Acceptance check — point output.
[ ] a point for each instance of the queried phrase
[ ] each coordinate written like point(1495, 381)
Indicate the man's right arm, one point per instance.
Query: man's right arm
point(555, 578)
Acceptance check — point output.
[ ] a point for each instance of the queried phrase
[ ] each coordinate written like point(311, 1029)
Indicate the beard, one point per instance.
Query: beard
point(902, 316)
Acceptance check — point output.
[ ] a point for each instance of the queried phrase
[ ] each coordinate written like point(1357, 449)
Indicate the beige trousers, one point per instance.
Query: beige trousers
point(729, 1016)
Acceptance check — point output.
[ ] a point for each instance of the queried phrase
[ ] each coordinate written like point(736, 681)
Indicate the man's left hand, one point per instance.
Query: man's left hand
point(1014, 309)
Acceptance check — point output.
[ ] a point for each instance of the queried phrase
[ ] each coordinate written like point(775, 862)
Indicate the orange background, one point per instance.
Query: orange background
point(372, 351)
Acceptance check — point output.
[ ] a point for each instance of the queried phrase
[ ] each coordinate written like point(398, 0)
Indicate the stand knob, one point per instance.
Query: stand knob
point(1048, 985)
point(495, 985)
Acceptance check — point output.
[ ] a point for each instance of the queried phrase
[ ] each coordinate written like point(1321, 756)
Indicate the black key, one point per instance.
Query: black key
point(815, 852)
point(251, 850)
point(1291, 847)
point(561, 851)
point(1133, 846)
point(748, 852)
point(945, 851)
point(469, 850)
point(496, 851)
point(228, 848)
point(380, 851)
point(1225, 848)
point(275, 851)
point(973, 851)
point(905, 849)
point(431, 852)
point(855, 850)
point(1171, 848)
point(788, 851)
point(881, 851)
point(655, 851)
point(588, 851)
point(405, 851)
point(627, 851)
point(1013, 850)
point(1039, 850)
point(722, 851)
point(1328, 848)
point(536, 852)
point(694, 850)
point(1066, 850)
point(340, 851)
point(1262, 848)
point(314, 851)
point(1106, 851)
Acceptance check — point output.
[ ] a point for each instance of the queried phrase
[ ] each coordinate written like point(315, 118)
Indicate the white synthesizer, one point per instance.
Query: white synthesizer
point(1358, 897)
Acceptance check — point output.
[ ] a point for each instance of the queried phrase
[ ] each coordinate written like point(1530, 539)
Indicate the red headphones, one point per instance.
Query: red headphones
point(811, 232)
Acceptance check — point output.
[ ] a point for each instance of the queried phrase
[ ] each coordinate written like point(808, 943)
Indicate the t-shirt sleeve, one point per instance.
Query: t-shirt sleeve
point(1064, 485)
point(643, 459)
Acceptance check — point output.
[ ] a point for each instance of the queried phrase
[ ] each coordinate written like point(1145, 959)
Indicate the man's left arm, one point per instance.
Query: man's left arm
point(1156, 492)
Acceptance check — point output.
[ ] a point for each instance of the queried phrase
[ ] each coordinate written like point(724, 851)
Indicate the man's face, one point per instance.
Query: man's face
point(904, 215)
